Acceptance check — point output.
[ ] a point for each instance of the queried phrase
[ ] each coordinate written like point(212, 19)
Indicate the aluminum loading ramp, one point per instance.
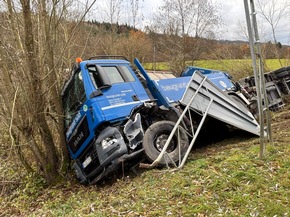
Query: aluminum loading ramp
point(223, 108)
point(205, 98)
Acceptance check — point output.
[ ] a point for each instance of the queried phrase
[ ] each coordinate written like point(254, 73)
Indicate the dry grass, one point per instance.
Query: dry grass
point(223, 179)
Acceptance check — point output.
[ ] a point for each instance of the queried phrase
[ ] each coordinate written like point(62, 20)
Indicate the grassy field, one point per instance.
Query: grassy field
point(238, 68)
point(223, 179)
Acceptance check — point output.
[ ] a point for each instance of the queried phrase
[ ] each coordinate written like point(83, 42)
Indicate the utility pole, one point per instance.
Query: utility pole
point(262, 101)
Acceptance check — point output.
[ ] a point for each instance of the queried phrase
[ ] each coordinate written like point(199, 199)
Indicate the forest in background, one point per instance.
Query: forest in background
point(149, 46)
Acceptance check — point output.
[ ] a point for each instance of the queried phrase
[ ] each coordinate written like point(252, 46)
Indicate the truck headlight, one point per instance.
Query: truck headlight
point(108, 142)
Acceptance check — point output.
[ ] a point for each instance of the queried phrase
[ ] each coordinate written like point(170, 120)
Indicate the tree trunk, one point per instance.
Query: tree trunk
point(37, 98)
point(50, 26)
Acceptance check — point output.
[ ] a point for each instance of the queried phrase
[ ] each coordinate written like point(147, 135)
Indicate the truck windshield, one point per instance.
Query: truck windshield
point(73, 98)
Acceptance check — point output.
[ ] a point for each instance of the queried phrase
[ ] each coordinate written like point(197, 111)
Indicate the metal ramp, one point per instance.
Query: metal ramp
point(206, 99)
point(223, 108)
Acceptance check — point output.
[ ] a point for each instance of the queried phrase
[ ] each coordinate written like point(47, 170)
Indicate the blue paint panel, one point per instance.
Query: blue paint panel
point(221, 79)
point(117, 101)
point(154, 89)
point(94, 119)
point(172, 89)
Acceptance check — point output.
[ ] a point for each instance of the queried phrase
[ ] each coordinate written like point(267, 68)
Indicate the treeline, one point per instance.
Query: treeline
point(118, 28)
point(149, 46)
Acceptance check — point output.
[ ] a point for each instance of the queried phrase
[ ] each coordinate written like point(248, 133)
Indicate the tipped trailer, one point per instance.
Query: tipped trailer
point(277, 85)
point(115, 118)
point(224, 82)
point(274, 96)
point(282, 78)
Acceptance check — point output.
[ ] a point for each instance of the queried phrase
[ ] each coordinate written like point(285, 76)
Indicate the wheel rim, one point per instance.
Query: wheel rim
point(160, 141)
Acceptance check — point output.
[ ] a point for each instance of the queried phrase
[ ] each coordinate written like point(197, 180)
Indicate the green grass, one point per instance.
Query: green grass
point(224, 179)
point(238, 68)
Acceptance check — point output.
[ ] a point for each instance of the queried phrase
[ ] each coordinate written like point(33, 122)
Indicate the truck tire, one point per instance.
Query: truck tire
point(155, 138)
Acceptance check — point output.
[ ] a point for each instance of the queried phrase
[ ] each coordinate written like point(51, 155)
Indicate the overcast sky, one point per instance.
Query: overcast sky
point(233, 16)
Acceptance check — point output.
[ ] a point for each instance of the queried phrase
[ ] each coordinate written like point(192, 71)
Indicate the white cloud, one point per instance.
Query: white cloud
point(233, 16)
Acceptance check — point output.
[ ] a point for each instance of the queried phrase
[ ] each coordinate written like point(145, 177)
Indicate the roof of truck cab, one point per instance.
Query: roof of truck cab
point(105, 61)
point(94, 61)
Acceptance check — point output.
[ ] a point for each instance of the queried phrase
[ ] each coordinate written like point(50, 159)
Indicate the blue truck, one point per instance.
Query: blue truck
point(116, 116)
point(221, 79)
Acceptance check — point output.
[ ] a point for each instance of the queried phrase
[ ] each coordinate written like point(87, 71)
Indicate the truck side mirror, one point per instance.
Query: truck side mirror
point(101, 80)
point(96, 93)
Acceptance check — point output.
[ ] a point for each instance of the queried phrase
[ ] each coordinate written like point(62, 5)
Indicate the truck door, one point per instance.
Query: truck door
point(122, 95)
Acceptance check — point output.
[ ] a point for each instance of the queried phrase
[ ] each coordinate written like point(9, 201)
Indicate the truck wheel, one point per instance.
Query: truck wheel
point(155, 138)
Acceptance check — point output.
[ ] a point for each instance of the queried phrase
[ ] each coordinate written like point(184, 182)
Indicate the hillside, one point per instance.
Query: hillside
point(222, 179)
